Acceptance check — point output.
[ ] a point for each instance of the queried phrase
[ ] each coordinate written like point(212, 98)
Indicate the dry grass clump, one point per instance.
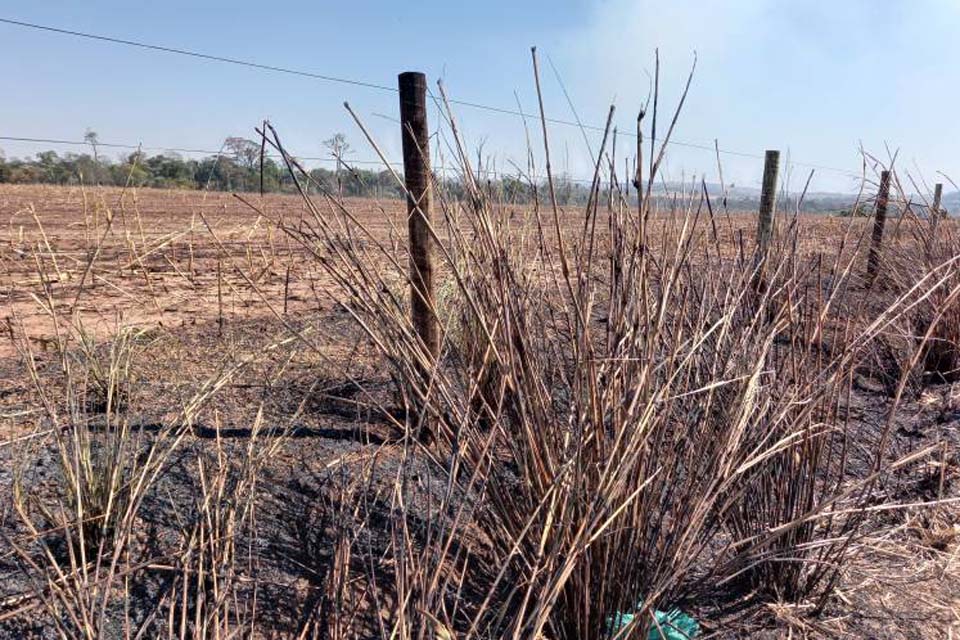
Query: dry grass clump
point(939, 323)
point(80, 536)
point(626, 423)
point(83, 541)
point(919, 270)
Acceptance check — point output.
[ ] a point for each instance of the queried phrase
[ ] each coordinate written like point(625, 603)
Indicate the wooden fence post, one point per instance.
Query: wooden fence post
point(416, 172)
point(768, 200)
point(937, 197)
point(934, 216)
point(880, 219)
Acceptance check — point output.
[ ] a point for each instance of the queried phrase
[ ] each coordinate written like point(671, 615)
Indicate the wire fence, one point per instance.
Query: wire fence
point(355, 82)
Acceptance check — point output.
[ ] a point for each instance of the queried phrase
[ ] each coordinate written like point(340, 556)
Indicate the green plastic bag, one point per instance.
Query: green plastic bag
point(674, 624)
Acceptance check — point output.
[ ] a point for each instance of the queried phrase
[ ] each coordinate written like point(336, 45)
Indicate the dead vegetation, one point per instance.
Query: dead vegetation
point(633, 411)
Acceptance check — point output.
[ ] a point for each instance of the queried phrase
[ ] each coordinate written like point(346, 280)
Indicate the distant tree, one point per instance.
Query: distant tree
point(53, 168)
point(91, 138)
point(245, 152)
point(84, 168)
point(339, 147)
point(130, 170)
point(246, 157)
point(28, 174)
point(514, 189)
point(564, 189)
point(170, 170)
point(92, 172)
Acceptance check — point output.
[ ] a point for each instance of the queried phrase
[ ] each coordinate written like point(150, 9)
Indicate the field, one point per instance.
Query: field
point(160, 253)
point(159, 259)
point(213, 419)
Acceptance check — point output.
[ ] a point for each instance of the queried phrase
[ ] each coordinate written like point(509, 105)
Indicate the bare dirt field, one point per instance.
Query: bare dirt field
point(152, 257)
point(101, 257)
point(220, 306)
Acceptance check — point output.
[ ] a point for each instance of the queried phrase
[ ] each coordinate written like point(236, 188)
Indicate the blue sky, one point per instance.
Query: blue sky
point(815, 79)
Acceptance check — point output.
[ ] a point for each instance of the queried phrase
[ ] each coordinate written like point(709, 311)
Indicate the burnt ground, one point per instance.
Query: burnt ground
point(318, 442)
point(330, 462)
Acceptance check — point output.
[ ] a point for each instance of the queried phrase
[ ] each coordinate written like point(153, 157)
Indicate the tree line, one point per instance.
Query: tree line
point(239, 167)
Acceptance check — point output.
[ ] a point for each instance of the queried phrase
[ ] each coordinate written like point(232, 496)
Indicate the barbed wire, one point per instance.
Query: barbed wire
point(381, 87)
